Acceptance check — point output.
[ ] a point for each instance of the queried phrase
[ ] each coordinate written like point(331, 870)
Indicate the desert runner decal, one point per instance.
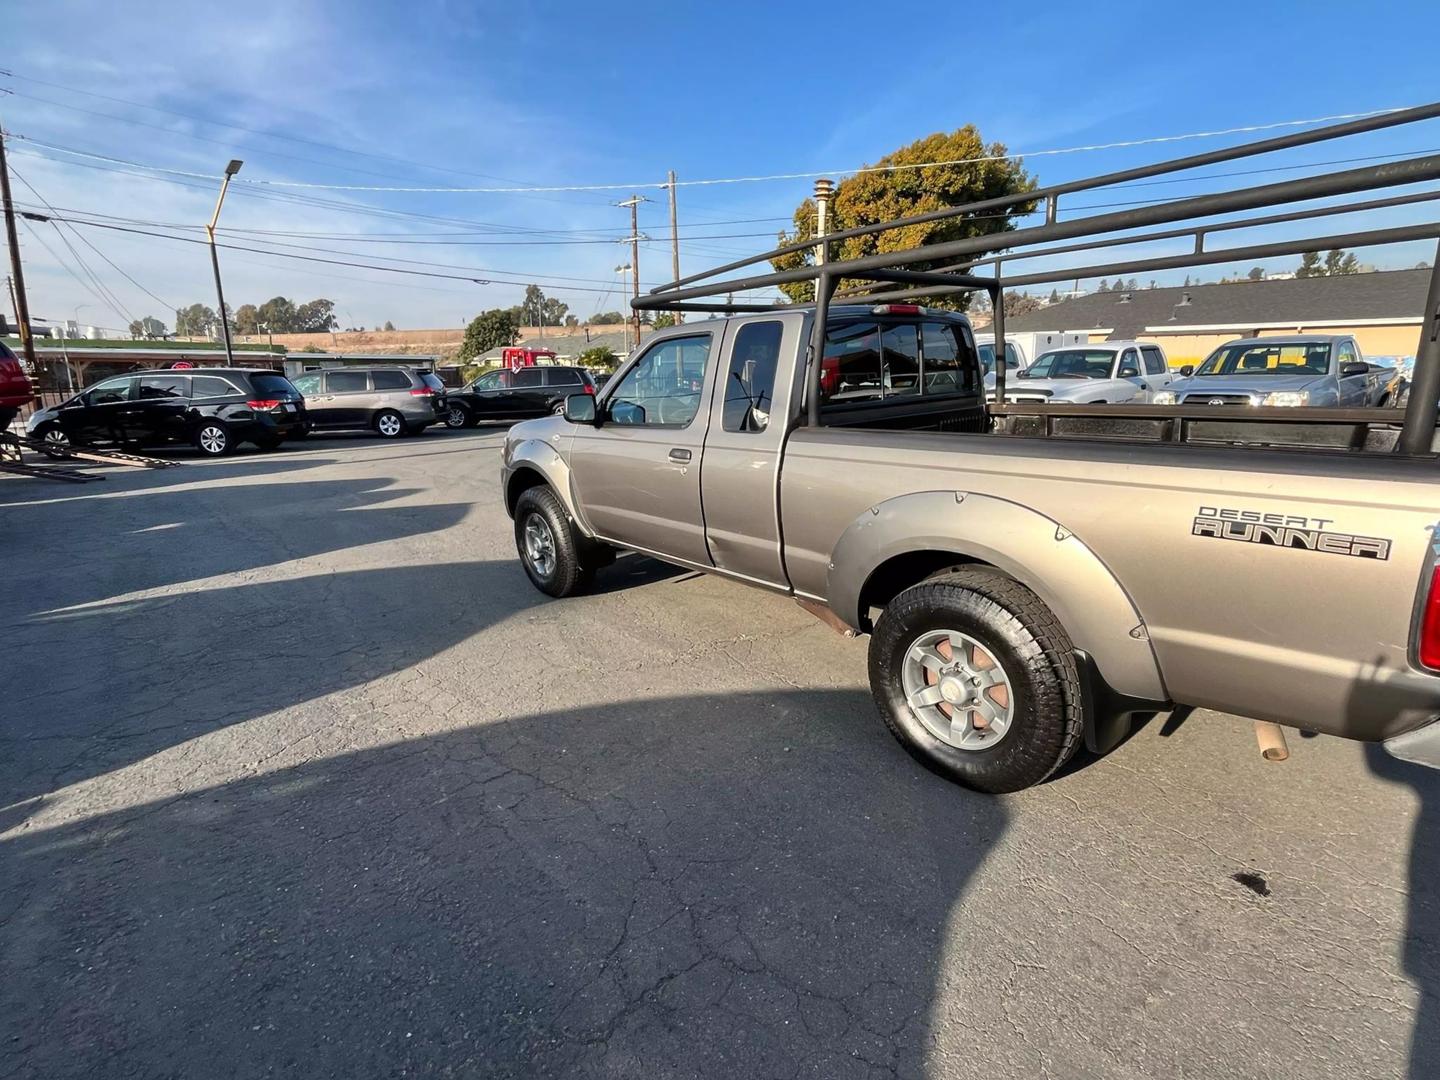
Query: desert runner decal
point(1285, 530)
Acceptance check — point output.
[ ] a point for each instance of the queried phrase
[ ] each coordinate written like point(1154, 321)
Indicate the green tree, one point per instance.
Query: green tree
point(664, 320)
point(1257, 273)
point(315, 317)
point(197, 320)
point(1019, 303)
point(136, 330)
point(571, 320)
point(606, 318)
point(1054, 296)
point(491, 329)
point(388, 325)
point(1104, 286)
point(277, 315)
point(554, 310)
point(884, 193)
point(532, 308)
point(1339, 262)
point(1310, 266)
point(599, 356)
point(247, 319)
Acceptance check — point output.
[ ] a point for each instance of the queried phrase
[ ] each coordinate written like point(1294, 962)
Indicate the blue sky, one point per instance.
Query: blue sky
point(435, 93)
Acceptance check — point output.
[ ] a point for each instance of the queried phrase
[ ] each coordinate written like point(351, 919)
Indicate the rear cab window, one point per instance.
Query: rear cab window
point(867, 361)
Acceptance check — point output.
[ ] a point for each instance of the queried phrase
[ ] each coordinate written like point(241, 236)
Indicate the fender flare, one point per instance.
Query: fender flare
point(538, 456)
point(1037, 551)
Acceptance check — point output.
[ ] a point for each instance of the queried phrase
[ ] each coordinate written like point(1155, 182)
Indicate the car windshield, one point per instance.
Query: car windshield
point(1260, 358)
point(1073, 364)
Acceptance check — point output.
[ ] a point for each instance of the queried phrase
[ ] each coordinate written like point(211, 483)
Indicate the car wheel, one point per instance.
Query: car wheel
point(977, 679)
point(389, 424)
point(56, 442)
point(546, 539)
point(558, 409)
point(212, 438)
point(457, 417)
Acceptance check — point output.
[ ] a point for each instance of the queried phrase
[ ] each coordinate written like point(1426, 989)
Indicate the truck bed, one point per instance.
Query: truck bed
point(1226, 595)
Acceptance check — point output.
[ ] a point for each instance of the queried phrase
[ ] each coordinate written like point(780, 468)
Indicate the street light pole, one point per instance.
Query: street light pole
point(230, 170)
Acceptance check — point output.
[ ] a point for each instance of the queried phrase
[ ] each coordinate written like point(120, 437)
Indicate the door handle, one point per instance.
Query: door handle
point(679, 456)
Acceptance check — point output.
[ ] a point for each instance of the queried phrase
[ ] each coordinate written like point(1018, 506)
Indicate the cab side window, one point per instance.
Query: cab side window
point(491, 380)
point(164, 388)
point(1154, 361)
point(750, 382)
point(390, 380)
point(944, 371)
point(527, 378)
point(308, 385)
point(663, 388)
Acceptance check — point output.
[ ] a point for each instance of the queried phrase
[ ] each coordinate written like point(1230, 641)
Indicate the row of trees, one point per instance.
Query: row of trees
point(278, 315)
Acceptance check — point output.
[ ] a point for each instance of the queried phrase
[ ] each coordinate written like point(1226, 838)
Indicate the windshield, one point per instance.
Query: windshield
point(1259, 358)
point(1073, 364)
point(987, 357)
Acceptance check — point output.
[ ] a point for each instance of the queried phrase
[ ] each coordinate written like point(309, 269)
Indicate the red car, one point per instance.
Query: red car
point(15, 388)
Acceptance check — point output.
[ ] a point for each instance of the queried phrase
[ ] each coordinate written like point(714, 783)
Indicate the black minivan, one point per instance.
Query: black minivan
point(212, 409)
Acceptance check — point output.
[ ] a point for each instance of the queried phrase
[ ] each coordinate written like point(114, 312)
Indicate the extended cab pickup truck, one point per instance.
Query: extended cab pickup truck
point(1100, 373)
point(1024, 593)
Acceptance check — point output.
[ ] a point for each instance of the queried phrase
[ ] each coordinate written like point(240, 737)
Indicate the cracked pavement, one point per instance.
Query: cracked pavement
point(299, 776)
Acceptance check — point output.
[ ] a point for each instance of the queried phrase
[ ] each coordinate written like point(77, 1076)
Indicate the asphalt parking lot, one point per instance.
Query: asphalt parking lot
point(299, 776)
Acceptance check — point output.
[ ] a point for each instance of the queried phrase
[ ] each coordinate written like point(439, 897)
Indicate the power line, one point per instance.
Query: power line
point(86, 241)
point(1092, 147)
point(240, 127)
point(35, 234)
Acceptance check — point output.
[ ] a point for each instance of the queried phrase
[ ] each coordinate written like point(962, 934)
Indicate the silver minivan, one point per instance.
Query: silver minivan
point(390, 401)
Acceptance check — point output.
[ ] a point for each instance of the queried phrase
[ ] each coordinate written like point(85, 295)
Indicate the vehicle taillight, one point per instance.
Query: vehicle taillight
point(267, 403)
point(421, 391)
point(1429, 648)
point(589, 389)
point(895, 309)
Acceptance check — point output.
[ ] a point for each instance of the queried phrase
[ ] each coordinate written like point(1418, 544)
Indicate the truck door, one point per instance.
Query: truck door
point(740, 476)
point(637, 475)
point(1157, 371)
point(1128, 369)
point(1352, 388)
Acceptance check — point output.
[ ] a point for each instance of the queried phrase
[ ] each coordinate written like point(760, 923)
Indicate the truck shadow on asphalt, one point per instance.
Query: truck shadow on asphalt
point(638, 889)
point(1419, 955)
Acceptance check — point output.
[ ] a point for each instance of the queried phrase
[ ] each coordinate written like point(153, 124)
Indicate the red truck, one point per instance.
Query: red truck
point(520, 357)
point(15, 388)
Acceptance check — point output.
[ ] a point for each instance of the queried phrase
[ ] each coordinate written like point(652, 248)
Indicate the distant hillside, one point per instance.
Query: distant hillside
point(444, 341)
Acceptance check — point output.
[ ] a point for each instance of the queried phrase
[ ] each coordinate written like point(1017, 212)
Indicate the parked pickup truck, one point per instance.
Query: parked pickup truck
point(1024, 594)
point(1310, 369)
point(1099, 373)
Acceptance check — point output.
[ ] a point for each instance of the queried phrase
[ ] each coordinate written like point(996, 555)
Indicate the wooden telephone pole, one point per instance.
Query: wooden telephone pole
point(634, 238)
point(22, 306)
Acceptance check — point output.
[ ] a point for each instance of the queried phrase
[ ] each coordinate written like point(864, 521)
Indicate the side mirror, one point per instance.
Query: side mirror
point(580, 409)
point(1022, 374)
point(1353, 368)
point(1187, 371)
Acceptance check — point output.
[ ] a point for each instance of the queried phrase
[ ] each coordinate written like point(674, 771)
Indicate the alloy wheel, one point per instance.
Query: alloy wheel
point(956, 687)
point(540, 545)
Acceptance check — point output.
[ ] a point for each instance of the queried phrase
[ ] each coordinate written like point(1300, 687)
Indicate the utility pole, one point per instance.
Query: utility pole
point(230, 170)
point(824, 189)
point(22, 306)
point(674, 242)
point(634, 204)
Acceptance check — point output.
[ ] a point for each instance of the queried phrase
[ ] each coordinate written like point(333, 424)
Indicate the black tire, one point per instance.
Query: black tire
point(1023, 635)
point(213, 438)
point(388, 424)
point(558, 409)
point(457, 417)
point(567, 573)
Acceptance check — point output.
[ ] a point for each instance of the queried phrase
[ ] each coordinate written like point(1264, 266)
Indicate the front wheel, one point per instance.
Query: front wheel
point(977, 679)
point(456, 418)
point(548, 544)
point(56, 442)
point(389, 424)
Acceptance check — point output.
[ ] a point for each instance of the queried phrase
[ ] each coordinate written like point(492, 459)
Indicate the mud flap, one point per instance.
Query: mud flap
point(1109, 717)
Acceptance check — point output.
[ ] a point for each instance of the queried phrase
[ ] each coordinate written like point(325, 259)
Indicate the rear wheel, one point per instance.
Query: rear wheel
point(389, 424)
point(212, 438)
point(977, 679)
point(558, 409)
point(549, 546)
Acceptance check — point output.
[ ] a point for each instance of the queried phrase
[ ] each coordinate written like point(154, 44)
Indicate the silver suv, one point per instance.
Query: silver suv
point(391, 401)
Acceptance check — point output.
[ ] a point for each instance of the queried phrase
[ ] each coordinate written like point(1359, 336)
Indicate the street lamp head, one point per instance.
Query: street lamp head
point(233, 167)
